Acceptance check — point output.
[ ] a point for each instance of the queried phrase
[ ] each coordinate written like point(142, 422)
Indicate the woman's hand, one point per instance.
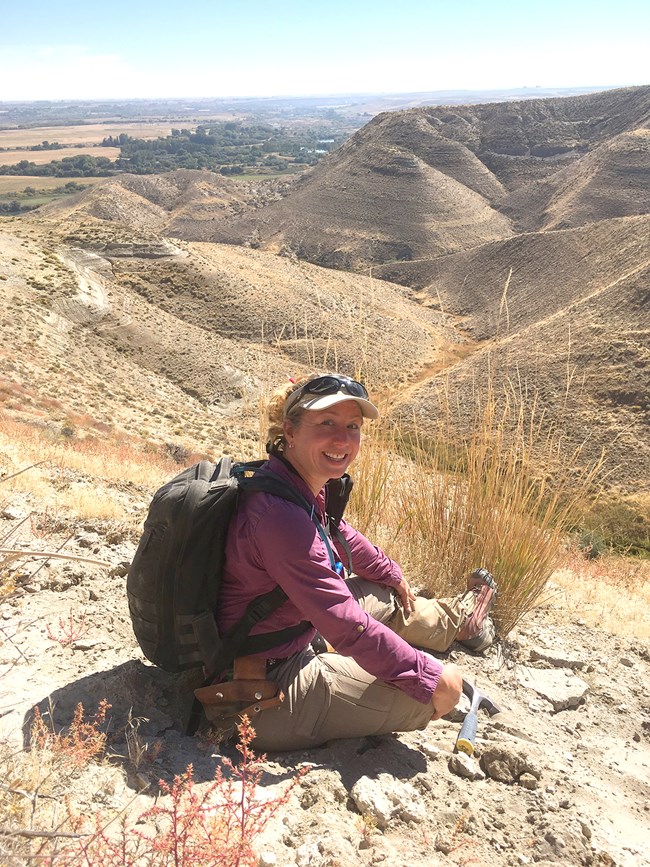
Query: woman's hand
point(447, 694)
point(406, 596)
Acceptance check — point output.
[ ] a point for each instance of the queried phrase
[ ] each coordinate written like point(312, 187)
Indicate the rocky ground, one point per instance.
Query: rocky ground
point(560, 776)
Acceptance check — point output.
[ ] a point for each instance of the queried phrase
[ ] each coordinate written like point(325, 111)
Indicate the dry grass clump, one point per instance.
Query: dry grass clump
point(611, 592)
point(66, 479)
point(502, 496)
point(111, 458)
point(79, 476)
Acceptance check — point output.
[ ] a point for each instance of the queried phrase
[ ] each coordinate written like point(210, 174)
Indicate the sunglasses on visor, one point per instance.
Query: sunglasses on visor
point(324, 385)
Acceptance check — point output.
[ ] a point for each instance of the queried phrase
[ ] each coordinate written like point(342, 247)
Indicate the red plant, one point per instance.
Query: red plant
point(216, 827)
point(69, 629)
point(44, 526)
point(84, 740)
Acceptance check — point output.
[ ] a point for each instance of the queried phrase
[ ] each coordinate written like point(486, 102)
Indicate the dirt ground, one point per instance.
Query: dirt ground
point(560, 776)
point(10, 158)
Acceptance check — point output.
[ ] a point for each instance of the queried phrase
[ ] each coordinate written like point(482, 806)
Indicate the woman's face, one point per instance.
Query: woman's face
point(324, 443)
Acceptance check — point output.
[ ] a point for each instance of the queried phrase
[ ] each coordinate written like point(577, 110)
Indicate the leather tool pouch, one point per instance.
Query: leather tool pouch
point(225, 703)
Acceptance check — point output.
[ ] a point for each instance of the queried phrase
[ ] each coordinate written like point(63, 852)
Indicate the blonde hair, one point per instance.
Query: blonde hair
point(275, 441)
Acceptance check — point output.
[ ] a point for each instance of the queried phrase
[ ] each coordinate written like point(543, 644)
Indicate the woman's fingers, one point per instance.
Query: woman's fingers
point(406, 595)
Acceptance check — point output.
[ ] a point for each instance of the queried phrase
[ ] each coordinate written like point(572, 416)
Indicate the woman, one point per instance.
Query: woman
point(376, 681)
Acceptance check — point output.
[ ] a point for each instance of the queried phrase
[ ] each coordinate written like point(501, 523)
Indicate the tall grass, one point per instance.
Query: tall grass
point(490, 484)
point(500, 492)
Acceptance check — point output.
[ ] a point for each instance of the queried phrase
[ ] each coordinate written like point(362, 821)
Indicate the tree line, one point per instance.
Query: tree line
point(230, 147)
point(81, 166)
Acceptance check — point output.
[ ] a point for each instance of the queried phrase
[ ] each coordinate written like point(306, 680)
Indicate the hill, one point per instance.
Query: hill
point(419, 183)
point(160, 202)
point(191, 333)
point(611, 181)
point(428, 182)
point(434, 199)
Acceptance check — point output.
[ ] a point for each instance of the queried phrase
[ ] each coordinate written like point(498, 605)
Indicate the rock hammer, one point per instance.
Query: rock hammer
point(467, 733)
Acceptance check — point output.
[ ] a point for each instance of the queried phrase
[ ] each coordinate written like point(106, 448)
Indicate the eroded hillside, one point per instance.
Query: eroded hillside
point(428, 182)
point(112, 327)
point(518, 233)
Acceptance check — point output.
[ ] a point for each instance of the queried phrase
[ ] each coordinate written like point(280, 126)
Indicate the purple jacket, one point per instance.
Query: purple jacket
point(272, 541)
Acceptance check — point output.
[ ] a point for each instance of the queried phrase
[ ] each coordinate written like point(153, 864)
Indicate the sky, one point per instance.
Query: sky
point(76, 49)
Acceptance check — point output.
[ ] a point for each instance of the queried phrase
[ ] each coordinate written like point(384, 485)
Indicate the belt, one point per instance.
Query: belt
point(249, 692)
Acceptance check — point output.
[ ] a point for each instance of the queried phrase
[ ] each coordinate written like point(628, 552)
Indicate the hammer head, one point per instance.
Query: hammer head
point(479, 699)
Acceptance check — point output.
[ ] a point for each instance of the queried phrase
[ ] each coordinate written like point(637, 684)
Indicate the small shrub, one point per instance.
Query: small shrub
point(619, 524)
point(83, 742)
point(180, 454)
point(69, 629)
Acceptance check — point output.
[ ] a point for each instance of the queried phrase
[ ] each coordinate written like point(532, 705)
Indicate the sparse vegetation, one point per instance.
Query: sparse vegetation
point(611, 592)
point(217, 824)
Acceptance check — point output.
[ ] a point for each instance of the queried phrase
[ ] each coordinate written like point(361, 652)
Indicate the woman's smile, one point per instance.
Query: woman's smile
point(323, 444)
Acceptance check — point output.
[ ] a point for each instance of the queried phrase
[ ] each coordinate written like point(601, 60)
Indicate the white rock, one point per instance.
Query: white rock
point(385, 797)
point(431, 750)
point(561, 691)
point(465, 766)
point(308, 855)
point(12, 513)
point(558, 657)
point(87, 643)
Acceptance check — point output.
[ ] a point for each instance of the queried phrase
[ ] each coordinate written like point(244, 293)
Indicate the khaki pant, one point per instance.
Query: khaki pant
point(329, 696)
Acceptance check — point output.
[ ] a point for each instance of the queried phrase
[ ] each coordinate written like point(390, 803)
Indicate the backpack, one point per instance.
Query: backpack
point(173, 581)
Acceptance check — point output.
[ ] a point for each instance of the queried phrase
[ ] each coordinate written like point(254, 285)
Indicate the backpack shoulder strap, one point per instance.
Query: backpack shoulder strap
point(261, 607)
point(337, 494)
point(270, 483)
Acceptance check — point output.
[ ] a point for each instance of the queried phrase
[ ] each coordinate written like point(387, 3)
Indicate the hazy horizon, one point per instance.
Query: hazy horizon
point(323, 96)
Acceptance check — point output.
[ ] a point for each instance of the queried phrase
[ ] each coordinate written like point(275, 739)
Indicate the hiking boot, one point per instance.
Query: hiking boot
point(478, 632)
point(483, 640)
point(479, 577)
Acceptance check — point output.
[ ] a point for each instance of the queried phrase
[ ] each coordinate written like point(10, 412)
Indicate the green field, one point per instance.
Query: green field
point(32, 192)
